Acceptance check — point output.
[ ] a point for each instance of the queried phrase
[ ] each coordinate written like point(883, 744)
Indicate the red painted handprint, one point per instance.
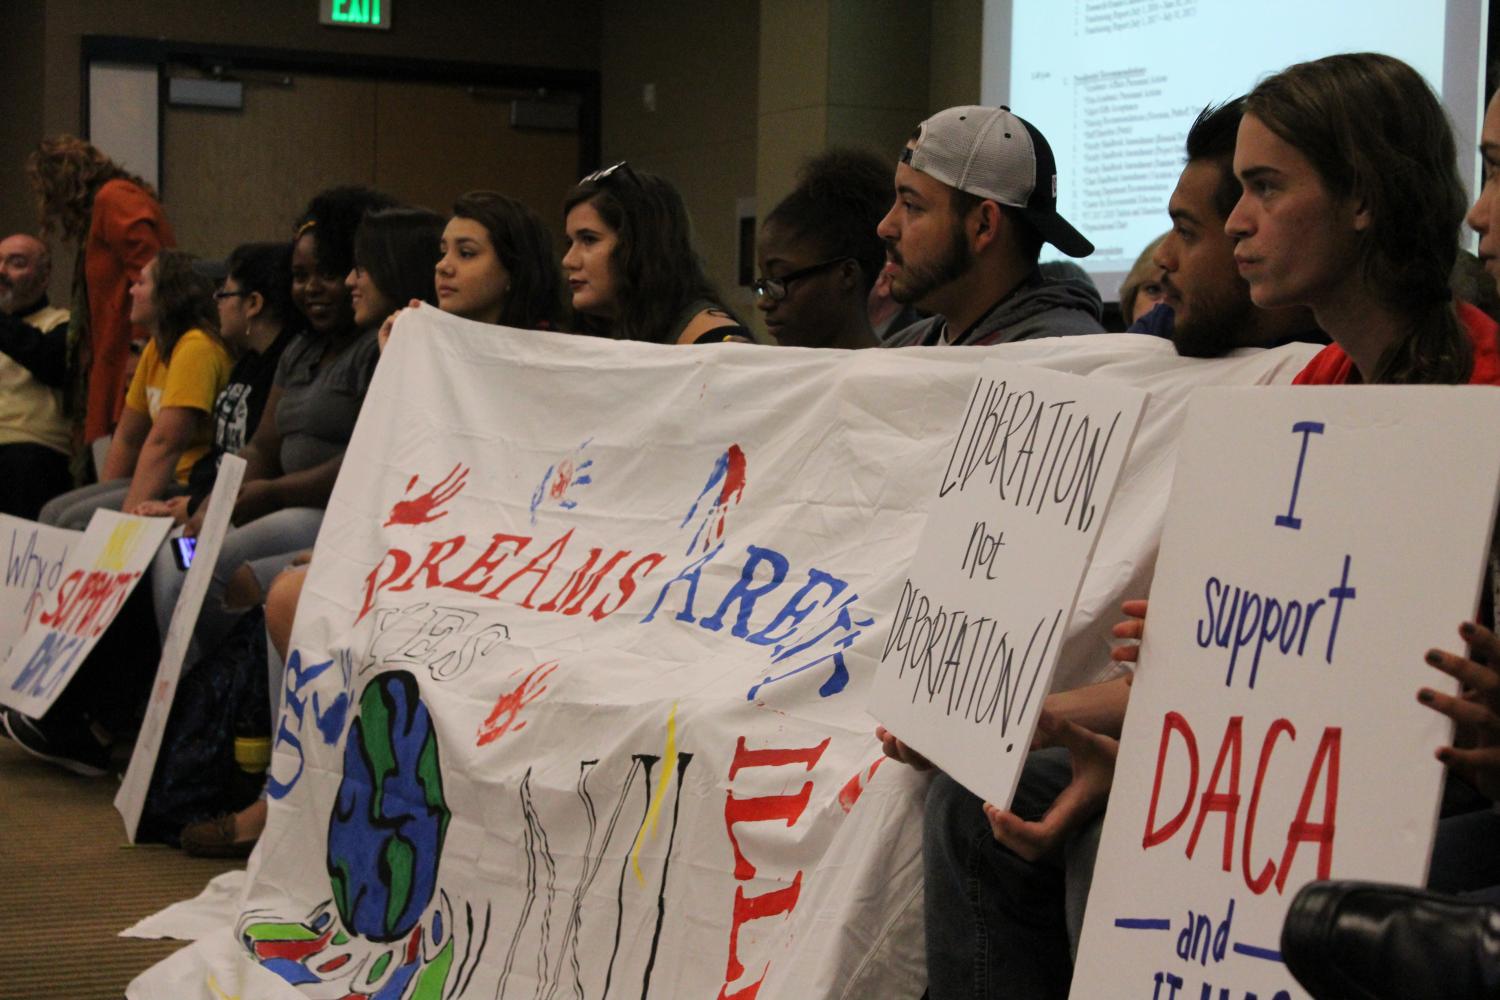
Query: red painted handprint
point(423, 509)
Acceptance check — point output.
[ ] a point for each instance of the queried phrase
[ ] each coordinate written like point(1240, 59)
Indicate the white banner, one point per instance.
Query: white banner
point(1013, 519)
point(575, 700)
point(34, 557)
point(1274, 735)
point(101, 570)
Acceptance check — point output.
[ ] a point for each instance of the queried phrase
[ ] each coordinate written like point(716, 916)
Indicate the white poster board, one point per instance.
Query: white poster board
point(1013, 520)
point(131, 797)
point(34, 555)
point(100, 572)
point(1318, 543)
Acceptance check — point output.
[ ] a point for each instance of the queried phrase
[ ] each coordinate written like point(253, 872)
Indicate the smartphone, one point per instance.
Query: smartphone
point(182, 551)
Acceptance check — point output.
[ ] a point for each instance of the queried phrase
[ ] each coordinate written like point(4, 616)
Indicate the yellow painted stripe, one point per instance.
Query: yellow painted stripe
point(669, 767)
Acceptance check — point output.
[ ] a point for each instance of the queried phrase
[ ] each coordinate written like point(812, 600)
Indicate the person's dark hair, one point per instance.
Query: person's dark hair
point(523, 244)
point(1374, 131)
point(184, 300)
point(1028, 239)
point(1212, 137)
point(840, 198)
point(398, 249)
point(333, 217)
point(65, 172)
point(265, 268)
point(657, 272)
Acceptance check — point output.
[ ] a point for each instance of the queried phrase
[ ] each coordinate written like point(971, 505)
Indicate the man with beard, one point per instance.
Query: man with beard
point(976, 197)
point(1206, 308)
point(35, 438)
point(1005, 891)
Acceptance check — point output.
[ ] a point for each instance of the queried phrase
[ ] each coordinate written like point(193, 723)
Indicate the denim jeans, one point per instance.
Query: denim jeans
point(74, 508)
point(998, 925)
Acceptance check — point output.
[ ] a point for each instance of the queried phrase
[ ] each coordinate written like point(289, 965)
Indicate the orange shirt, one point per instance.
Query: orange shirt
point(127, 230)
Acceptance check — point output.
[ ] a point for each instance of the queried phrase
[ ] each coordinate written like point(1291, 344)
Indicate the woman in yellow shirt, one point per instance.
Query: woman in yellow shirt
point(165, 426)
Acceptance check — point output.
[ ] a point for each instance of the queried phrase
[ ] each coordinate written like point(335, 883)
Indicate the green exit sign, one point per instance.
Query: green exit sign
point(356, 13)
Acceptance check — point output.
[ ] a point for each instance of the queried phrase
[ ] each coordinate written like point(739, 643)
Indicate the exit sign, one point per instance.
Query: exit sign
point(356, 13)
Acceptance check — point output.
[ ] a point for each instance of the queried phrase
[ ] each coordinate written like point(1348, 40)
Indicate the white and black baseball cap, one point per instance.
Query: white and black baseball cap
point(994, 154)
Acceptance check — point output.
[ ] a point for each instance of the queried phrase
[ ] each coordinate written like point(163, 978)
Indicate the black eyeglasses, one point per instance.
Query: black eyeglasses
point(622, 169)
point(229, 293)
point(775, 288)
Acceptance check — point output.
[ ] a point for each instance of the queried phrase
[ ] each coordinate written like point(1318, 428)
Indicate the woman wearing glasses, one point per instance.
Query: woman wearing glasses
point(631, 268)
point(819, 256)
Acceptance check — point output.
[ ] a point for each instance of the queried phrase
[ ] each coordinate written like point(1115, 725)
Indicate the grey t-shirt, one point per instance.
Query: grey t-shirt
point(320, 403)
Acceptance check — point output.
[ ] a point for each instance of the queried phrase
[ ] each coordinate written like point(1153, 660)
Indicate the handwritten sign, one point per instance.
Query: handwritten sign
point(131, 797)
point(34, 555)
point(982, 614)
point(101, 570)
point(1318, 542)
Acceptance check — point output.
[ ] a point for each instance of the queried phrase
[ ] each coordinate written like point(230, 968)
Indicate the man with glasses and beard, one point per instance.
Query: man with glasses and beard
point(35, 437)
point(976, 197)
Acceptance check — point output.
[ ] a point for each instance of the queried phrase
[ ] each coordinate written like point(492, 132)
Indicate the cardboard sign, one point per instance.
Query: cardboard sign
point(982, 613)
point(34, 555)
point(575, 702)
point(100, 572)
point(1318, 543)
point(131, 797)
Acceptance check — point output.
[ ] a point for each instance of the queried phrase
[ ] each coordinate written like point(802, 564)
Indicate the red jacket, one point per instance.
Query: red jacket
point(127, 230)
point(1331, 366)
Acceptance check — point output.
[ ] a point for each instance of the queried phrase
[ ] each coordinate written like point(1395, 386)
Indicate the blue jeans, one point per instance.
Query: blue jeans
point(75, 508)
point(998, 925)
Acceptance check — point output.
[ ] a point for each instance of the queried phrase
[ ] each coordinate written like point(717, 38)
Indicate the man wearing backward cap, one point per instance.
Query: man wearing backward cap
point(976, 197)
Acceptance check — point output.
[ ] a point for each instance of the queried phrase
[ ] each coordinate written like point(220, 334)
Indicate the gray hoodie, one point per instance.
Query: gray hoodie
point(1038, 308)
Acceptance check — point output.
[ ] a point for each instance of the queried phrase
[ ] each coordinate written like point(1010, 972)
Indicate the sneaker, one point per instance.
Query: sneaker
point(72, 748)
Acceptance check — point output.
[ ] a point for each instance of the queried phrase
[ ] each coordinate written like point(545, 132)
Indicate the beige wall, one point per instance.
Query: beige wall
point(956, 46)
point(837, 73)
point(702, 59)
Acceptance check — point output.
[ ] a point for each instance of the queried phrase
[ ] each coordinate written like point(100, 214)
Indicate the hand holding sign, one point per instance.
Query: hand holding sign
point(1084, 797)
point(898, 751)
point(1132, 630)
point(1476, 711)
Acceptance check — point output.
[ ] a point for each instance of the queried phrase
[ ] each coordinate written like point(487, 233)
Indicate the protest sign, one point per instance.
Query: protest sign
point(101, 570)
point(34, 555)
point(131, 797)
point(1013, 520)
point(575, 699)
point(1318, 543)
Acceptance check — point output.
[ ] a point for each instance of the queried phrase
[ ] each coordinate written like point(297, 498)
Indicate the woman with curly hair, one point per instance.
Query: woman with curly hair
point(85, 197)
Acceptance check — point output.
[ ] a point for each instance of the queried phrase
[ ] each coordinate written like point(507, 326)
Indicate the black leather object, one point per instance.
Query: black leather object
point(1366, 941)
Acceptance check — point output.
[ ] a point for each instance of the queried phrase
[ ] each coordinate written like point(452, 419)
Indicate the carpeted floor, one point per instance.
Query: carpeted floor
point(69, 883)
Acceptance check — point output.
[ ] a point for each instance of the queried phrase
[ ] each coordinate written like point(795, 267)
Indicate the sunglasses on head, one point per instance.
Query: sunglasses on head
point(622, 169)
